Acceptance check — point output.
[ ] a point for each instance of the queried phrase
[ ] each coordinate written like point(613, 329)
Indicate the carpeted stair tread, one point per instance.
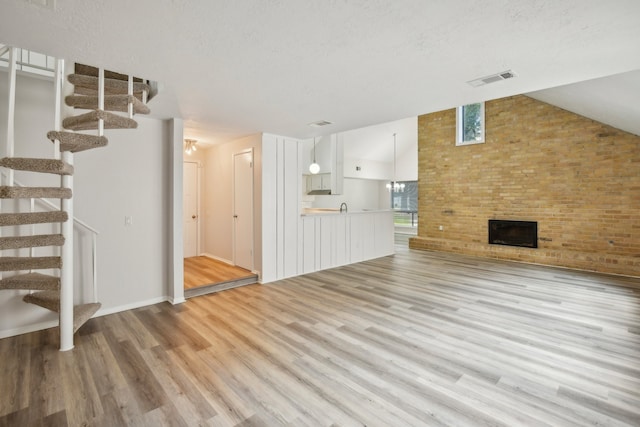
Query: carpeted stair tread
point(31, 281)
point(45, 299)
point(89, 121)
point(51, 301)
point(33, 218)
point(17, 242)
point(111, 103)
point(7, 192)
point(29, 263)
point(75, 142)
point(111, 86)
point(82, 313)
point(37, 165)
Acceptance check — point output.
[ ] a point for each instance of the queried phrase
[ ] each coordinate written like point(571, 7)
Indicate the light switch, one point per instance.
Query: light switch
point(128, 220)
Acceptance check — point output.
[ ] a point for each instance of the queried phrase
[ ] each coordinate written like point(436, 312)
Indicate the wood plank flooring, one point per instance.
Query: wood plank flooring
point(201, 270)
point(415, 339)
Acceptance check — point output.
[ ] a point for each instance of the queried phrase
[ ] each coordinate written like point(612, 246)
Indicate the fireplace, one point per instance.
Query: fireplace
point(513, 233)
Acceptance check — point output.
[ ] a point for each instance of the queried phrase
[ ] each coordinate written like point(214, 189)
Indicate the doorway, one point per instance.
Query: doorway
point(204, 273)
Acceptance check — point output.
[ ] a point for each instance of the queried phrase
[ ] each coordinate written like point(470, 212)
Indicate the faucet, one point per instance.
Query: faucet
point(343, 205)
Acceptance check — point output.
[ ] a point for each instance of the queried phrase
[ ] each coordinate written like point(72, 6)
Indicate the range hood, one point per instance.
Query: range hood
point(319, 192)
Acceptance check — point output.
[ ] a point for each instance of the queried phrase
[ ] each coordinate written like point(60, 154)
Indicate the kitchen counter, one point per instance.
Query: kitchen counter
point(330, 238)
point(336, 211)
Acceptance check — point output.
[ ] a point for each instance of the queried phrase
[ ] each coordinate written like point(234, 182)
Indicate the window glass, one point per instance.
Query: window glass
point(470, 124)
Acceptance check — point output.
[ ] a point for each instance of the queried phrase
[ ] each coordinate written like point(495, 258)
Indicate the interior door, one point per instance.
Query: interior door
point(190, 209)
point(243, 209)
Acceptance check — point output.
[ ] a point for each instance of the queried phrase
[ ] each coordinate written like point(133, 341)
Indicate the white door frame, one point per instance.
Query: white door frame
point(176, 258)
point(233, 192)
point(198, 205)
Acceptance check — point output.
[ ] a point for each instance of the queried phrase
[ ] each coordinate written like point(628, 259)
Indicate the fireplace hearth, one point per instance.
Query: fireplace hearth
point(513, 233)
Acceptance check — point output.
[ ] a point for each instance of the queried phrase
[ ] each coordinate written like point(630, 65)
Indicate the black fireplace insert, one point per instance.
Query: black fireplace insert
point(513, 233)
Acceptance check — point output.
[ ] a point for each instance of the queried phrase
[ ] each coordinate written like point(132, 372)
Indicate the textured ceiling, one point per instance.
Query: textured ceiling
point(232, 68)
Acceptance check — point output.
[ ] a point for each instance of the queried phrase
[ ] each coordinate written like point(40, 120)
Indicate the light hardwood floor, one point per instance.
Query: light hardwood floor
point(201, 270)
point(415, 339)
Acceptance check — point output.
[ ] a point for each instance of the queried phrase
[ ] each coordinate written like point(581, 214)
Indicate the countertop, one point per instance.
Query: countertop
point(336, 211)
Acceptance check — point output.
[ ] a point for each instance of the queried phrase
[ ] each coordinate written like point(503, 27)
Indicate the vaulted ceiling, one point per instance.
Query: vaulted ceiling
point(232, 68)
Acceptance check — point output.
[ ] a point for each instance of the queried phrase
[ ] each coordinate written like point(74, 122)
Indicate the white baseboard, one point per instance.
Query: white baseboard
point(226, 261)
point(175, 301)
point(102, 312)
point(28, 328)
point(125, 307)
point(217, 258)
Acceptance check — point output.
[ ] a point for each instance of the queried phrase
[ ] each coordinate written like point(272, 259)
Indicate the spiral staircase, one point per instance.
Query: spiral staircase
point(106, 96)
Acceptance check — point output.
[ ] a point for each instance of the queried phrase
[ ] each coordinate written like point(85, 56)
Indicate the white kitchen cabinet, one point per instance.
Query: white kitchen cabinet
point(321, 181)
point(332, 240)
point(329, 156)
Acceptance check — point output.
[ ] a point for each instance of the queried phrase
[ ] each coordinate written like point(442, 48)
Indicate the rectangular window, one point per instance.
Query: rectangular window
point(405, 204)
point(470, 124)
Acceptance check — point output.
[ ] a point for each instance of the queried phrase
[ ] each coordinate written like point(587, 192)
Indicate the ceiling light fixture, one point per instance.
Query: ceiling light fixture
point(395, 186)
point(314, 168)
point(190, 146)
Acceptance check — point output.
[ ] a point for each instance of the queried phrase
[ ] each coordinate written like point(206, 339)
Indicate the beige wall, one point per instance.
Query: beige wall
point(578, 178)
point(217, 202)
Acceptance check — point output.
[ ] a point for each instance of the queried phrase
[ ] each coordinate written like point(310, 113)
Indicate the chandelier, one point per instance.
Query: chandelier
point(395, 186)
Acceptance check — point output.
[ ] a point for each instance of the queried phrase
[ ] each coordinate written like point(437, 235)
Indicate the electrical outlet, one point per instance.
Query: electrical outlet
point(441, 228)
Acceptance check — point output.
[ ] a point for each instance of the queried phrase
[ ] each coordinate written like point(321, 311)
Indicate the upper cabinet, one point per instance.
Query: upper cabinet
point(329, 155)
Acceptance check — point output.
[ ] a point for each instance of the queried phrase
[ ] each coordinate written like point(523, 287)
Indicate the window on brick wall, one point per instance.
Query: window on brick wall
point(470, 124)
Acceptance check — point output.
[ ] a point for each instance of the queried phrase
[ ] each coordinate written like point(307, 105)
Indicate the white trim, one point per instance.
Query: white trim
point(459, 124)
point(176, 260)
point(226, 261)
point(34, 327)
point(174, 301)
point(217, 258)
point(131, 306)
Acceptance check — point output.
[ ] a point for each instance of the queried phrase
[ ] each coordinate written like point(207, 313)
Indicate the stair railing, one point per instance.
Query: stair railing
point(11, 111)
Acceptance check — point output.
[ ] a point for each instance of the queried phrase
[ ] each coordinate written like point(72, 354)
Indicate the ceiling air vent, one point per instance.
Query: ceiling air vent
point(320, 123)
point(492, 78)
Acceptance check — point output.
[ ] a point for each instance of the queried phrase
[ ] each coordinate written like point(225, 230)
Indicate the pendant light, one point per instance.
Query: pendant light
point(314, 168)
point(395, 186)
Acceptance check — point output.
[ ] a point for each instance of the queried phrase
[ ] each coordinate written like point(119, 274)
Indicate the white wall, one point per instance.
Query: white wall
point(368, 169)
point(358, 194)
point(129, 177)
point(217, 201)
point(407, 161)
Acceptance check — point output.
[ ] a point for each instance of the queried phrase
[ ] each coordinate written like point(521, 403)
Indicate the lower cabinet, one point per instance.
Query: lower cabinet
point(333, 240)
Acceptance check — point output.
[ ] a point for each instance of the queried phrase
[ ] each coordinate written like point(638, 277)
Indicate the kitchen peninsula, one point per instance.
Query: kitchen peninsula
point(332, 238)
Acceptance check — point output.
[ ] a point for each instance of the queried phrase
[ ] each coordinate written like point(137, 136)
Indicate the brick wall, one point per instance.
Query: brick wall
point(579, 179)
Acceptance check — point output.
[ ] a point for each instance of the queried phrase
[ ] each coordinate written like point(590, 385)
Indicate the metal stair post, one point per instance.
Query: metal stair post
point(66, 272)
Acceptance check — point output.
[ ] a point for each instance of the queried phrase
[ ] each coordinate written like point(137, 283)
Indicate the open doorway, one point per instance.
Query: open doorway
point(205, 272)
